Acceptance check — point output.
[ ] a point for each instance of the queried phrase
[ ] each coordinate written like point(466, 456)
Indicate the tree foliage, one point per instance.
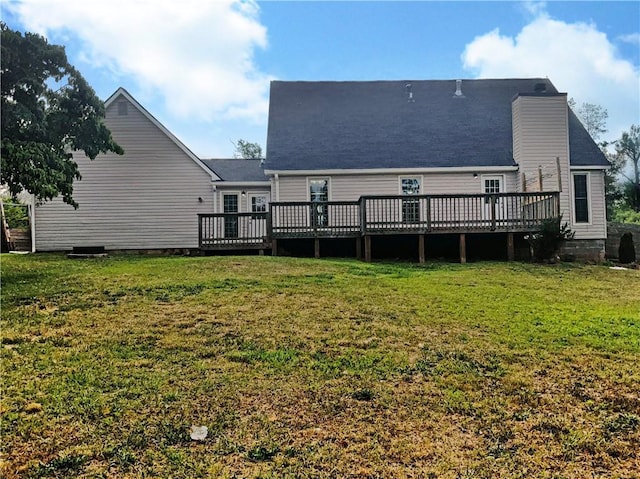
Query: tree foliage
point(628, 150)
point(48, 110)
point(594, 119)
point(247, 150)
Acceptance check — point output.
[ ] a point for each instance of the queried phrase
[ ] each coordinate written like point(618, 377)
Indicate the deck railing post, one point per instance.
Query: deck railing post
point(492, 202)
point(269, 225)
point(363, 216)
point(199, 231)
point(428, 212)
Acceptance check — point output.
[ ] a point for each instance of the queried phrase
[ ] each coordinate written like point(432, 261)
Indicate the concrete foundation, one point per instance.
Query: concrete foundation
point(583, 250)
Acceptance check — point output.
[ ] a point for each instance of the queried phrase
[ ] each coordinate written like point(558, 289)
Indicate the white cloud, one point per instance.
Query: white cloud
point(197, 55)
point(633, 38)
point(577, 58)
point(534, 7)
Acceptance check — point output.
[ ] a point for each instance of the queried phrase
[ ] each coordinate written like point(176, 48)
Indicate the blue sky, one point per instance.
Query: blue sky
point(203, 68)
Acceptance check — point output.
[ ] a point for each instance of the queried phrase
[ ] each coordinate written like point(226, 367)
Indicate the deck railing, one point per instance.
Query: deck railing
point(457, 213)
point(233, 230)
point(376, 215)
point(306, 219)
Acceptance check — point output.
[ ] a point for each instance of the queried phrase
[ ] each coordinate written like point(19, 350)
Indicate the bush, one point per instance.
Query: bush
point(627, 250)
point(626, 215)
point(16, 215)
point(546, 242)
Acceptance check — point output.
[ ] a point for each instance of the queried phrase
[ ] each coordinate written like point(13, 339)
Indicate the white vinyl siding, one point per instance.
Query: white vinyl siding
point(540, 135)
point(149, 198)
point(597, 226)
point(351, 187)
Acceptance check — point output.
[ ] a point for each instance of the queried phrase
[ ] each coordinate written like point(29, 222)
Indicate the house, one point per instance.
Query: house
point(411, 142)
point(146, 199)
point(360, 163)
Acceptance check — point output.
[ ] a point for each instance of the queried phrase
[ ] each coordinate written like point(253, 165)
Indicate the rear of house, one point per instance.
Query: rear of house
point(362, 162)
point(440, 156)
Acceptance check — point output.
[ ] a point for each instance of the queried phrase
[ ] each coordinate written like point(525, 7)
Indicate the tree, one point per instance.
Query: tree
point(594, 119)
point(628, 149)
point(247, 150)
point(48, 110)
point(613, 188)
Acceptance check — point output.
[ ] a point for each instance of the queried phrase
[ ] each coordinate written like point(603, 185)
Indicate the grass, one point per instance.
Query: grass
point(317, 368)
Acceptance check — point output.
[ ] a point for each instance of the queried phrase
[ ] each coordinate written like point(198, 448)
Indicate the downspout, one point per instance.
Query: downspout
point(277, 180)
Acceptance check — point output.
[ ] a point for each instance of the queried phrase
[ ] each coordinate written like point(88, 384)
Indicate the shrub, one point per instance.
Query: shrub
point(16, 215)
point(627, 250)
point(546, 242)
point(626, 215)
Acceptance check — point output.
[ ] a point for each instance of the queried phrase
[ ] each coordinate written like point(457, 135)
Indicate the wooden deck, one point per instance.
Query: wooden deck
point(379, 215)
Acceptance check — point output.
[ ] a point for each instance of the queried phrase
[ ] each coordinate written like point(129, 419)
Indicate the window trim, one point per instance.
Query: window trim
point(587, 176)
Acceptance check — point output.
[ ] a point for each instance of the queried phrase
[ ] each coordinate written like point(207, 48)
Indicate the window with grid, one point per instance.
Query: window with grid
point(258, 205)
point(581, 198)
point(230, 205)
point(410, 207)
point(319, 194)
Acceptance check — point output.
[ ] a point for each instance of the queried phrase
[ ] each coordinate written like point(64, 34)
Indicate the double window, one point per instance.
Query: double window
point(581, 197)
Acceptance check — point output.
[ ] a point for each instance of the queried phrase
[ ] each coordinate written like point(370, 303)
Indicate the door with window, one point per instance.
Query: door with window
point(258, 225)
point(230, 205)
point(410, 206)
point(319, 195)
point(492, 185)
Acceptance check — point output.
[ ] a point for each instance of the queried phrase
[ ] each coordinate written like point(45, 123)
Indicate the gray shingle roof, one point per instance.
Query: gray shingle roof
point(344, 125)
point(237, 169)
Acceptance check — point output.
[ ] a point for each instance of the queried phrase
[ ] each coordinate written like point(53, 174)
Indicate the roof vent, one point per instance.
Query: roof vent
point(458, 93)
point(540, 88)
point(122, 108)
point(410, 93)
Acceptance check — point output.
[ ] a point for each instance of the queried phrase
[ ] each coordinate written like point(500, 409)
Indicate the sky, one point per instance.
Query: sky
point(203, 68)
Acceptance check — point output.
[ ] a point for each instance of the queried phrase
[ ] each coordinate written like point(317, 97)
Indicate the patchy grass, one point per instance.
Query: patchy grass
point(307, 368)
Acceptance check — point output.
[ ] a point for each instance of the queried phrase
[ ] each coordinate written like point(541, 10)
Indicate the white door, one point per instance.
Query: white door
point(492, 185)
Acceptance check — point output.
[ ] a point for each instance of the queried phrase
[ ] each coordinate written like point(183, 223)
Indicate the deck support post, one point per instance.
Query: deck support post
point(463, 248)
point(421, 249)
point(367, 248)
point(358, 247)
point(510, 247)
point(316, 247)
point(274, 247)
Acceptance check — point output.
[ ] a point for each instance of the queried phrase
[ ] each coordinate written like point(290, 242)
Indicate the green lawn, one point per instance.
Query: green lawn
point(318, 368)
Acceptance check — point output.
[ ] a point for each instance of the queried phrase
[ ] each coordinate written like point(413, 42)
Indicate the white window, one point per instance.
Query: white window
point(410, 186)
point(581, 197)
point(259, 204)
